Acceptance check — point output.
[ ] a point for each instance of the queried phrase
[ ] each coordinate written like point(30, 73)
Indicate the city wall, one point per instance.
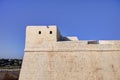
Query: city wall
point(50, 56)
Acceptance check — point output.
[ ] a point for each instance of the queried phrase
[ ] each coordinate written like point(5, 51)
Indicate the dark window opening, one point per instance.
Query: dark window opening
point(50, 32)
point(93, 42)
point(39, 32)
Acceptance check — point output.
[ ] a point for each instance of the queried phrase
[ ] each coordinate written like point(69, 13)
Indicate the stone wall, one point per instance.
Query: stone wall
point(70, 60)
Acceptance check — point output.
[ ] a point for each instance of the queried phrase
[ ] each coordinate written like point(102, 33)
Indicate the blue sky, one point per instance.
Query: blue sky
point(87, 19)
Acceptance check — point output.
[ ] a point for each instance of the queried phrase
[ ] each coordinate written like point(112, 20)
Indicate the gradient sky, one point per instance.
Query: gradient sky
point(87, 19)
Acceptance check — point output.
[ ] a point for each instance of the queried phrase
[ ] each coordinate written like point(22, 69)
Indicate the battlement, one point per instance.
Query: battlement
point(36, 35)
point(39, 34)
point(48, 38)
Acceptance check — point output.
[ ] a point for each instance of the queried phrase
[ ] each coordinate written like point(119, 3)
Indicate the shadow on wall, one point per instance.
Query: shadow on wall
point(65, 39)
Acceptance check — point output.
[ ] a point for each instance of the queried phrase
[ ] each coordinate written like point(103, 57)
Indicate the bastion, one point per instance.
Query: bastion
point(51, 56)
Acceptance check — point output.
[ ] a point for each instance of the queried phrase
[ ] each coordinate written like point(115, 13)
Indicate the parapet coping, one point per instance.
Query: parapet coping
point(75, 46)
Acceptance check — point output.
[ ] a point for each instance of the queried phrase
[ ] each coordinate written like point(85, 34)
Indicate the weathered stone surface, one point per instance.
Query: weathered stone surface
point(47, 57)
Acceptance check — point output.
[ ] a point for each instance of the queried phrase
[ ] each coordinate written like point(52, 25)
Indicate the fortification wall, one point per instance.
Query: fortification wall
point(71, 65)
point(53, 59)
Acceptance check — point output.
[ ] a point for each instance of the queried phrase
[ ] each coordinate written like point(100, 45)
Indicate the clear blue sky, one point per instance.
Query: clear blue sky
point(87, 19)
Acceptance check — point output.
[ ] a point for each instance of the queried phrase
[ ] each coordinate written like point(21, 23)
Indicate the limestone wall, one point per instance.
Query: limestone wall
point(38, 34)
point(71, 65)
point(48, 58)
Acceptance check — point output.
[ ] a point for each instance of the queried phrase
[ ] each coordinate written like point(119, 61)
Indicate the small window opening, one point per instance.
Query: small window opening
point(50, 32)
point(39, 32)
point(93, 42)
